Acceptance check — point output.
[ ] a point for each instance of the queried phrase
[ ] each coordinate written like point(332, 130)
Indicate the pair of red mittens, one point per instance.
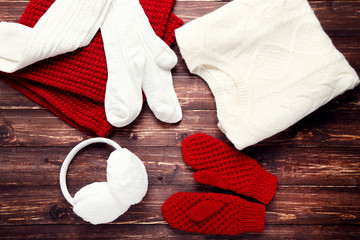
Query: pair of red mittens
point(222, 166)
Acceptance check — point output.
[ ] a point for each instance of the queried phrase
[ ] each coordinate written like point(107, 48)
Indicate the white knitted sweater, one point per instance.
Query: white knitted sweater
point(268, 63)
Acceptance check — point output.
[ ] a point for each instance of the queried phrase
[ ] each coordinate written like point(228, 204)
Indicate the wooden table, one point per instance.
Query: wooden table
point(317, 160)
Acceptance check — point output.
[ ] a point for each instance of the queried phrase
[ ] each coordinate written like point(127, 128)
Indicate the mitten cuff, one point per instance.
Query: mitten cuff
point(262, 186)
point(254, 217)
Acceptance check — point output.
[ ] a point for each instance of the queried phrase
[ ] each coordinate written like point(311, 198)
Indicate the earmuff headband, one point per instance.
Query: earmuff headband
point(70, 157)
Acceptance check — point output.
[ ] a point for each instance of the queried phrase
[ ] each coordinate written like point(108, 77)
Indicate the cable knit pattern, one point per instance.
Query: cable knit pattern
point(213, 213)
point(66, 26)
point(220, 165)
point(268, 63)
point(72, 85)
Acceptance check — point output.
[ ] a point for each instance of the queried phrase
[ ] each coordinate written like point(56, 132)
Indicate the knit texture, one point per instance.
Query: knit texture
point(65, 27)
point(223, 166)
point(72, 85)
point(83, 113)
point(213, 213)
point(268, 63)
point(84, 71)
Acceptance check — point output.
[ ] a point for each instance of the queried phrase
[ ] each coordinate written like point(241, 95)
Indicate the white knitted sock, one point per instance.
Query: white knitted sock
point(66, 26)
point(137, 59)
point(125, 62)
point(268, 63)
point(160, 59)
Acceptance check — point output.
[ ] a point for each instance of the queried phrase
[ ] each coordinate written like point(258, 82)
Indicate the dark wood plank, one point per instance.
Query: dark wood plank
point(40, 128)
point(290, 205)
point(23, 166)
point(11, 10)
point(114, 231)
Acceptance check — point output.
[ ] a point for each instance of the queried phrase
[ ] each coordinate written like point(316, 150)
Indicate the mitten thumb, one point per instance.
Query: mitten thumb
point(205, 209)
point(212, 178)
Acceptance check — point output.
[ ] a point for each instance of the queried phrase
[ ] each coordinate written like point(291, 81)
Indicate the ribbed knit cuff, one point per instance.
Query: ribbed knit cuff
point(262, 186)
point(13, 39)
point(253, 217)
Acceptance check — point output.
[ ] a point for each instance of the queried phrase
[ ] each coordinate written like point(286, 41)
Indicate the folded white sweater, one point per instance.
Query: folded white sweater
point(268, 63)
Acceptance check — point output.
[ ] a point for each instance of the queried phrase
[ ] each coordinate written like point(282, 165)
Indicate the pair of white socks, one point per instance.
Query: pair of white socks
point(137, 59)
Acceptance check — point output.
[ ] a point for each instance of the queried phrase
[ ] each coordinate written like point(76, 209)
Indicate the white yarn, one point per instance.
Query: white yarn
point(66, 26)
point(268, 63)
point(103, 202)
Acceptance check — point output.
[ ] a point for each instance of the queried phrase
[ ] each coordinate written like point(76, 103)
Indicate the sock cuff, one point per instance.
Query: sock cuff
point(13, 39)
point(262, 186)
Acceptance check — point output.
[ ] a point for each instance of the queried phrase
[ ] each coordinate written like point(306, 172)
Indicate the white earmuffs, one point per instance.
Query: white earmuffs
point(103, 202)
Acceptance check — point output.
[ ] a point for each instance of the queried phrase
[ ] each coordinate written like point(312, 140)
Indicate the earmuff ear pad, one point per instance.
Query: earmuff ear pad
point(95, 203)
point(127, 177)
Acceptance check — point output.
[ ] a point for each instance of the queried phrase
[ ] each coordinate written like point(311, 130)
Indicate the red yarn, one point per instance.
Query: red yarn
point(205, 209)
point(72, 85)
point(173, 23)
point(213, 213)
point(225, 167)
point(82, 113)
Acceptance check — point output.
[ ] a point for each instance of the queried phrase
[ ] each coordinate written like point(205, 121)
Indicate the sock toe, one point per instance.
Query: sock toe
point(122, 117)
point(167, 59)
point(167, 113)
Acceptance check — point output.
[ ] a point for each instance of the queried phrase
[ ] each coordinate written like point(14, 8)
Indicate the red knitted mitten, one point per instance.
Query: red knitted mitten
point(213, 213)
point(225, 167)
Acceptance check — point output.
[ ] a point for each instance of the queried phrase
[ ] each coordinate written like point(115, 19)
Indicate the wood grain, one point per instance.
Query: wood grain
point(165, 165)
point(304, 205)
point(317, 160)
point(114, 231)
point(323, 128)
